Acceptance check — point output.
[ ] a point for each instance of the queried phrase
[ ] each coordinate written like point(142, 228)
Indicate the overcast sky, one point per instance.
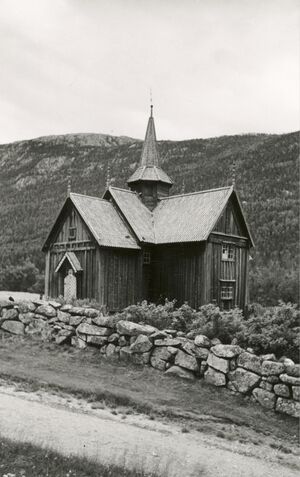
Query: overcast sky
point(215, 67)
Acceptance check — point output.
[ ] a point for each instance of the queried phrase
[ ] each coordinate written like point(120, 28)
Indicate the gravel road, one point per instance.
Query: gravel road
point(107, 438)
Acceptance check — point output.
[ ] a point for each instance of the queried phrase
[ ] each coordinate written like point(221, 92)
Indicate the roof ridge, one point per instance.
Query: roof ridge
point(89, 196)
point(124, 190)
point(195, 193)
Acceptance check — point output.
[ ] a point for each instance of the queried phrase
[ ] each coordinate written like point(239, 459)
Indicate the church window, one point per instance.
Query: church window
point(72, 228)
point(228, 252)
point(146, 258)
point(226, 293)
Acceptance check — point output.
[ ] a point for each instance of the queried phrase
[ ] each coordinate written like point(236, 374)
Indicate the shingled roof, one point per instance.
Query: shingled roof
point(102, 219)
point(189, 217)
point(135, 212)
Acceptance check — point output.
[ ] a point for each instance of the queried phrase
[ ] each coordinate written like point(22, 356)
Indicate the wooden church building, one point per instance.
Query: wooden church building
point(142, 243)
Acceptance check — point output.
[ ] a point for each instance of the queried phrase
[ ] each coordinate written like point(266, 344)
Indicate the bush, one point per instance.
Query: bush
point(272, 330)
point(214, 323)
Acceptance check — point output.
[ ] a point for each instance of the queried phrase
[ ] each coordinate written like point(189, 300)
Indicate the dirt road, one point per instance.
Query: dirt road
point(103, 436)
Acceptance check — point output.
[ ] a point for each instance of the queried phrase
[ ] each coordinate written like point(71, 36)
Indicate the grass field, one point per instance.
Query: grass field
point(87, 374)
point(26, 460)
point(4, 295)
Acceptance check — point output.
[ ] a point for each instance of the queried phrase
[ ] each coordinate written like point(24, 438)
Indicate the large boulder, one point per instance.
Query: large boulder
point(282, 390)
point(202, 341)
point(288, 406)
point(272, 368)
point(226, 351)
point(128, 328)
point(265, 398)
point(46, 310)
point(180, 373)
point(293, 370)
point(214, 377)
point(250, 361)
point(186, 361)
point(63, 316)
point(285, 378)
point(243, 380)
point(14, 327)
point(141, 345)
point(86, 328)
point(220, 364)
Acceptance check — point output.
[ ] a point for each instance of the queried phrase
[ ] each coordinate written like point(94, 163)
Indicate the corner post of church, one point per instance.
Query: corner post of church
point(47, 274)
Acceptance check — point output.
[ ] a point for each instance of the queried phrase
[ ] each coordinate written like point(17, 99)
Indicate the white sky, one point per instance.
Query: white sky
point(215, 67)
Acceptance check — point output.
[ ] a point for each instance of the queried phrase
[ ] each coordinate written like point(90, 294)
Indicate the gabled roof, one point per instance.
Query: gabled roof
point(189, 217)
point(135, 212)
point(102, 220)
point(73, 260)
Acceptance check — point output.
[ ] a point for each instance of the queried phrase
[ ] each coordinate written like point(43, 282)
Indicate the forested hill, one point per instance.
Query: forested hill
point(33, 184)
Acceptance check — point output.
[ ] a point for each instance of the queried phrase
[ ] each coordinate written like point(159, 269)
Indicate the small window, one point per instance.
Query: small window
point(226, 293)
point(72, 233)
point(228, 252)
point(146, 258)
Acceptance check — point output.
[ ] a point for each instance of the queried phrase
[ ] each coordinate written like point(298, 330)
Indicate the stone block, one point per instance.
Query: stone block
point(180, 373)
point(220, 364)
point(214, 377)
point(243, 380)
point(46, 310)
point(293, 370)
point(226, 351)
point(88, 329)
point(186, 361)
point(265, 398)
point(128, 328)
point(288, 406)
point(26, 318)
point(265, 385)
point(75, 320)
point(282, 390)
point(114, 338)
point(26, 306)
point(142, 344)
point(285, 378)
point(10, 314)
point(269, 368)
point(202, 341)
point(296, 393)
point(250, 361)
point(96, 340)
point(78, 342)
point(63, 316)
point(169, 342)
point(14, 327)
point(74, 310)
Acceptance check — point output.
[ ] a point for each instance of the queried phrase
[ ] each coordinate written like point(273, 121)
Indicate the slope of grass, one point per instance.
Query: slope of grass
point(21, 459)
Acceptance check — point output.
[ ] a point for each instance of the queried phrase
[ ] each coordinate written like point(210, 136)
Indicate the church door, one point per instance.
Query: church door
point(70, 286)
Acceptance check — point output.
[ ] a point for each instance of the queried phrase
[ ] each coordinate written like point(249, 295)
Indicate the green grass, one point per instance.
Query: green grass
point(128, 389)
point(26, 460)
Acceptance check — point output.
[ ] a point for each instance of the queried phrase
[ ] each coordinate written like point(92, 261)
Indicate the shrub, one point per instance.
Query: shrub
point(214, 323)
point(272, 330)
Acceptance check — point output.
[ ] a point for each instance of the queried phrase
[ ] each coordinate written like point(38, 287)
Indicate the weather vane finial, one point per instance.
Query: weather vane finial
point(108, 176)
point(151, 103)
point(233, 174)
point(69, 187)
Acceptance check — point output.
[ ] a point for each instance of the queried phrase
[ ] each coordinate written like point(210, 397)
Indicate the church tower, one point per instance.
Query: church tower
point(149, 180)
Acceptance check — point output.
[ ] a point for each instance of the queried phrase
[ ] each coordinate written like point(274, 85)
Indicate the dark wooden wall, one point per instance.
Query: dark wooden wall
point(178, 273)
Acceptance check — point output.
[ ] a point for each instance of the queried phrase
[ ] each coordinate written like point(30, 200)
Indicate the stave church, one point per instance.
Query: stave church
point(143, 243)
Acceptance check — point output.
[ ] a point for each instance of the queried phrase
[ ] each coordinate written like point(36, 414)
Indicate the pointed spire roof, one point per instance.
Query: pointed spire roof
point(149, 169)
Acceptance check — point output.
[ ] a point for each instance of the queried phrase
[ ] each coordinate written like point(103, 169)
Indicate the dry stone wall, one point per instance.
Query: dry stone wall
point(273, 384)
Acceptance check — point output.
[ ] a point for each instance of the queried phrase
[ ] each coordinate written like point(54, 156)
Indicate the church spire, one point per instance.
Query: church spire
point(150, 156)
point(149, 180)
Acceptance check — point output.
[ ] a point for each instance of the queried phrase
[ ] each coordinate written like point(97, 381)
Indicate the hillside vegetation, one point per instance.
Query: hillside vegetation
point(33, 183)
